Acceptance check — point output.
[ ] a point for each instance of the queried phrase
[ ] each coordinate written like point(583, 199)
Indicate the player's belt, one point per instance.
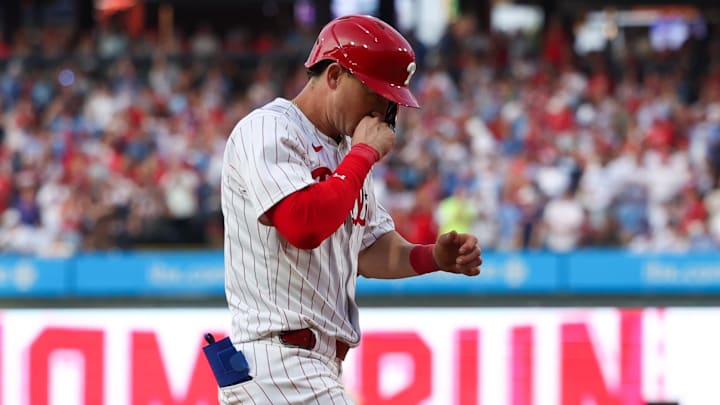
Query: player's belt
point(305, 338)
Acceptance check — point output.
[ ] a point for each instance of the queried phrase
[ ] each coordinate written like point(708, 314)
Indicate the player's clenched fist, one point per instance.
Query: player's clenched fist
point(373, 131)
point(458, 253)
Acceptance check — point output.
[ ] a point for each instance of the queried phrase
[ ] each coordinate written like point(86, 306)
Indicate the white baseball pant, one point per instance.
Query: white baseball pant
point(287, 375)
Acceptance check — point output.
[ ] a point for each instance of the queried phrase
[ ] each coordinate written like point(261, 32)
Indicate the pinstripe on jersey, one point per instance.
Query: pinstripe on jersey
point(271, 285)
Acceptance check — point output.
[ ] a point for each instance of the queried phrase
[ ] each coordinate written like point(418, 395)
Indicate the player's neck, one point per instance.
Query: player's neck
point(315, 115)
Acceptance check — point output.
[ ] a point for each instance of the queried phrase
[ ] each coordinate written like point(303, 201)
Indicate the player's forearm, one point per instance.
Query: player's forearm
point(309, 216)
point(388, 258)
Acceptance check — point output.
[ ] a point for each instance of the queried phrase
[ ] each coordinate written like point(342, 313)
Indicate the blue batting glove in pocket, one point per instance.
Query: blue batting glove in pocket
point(229, 365)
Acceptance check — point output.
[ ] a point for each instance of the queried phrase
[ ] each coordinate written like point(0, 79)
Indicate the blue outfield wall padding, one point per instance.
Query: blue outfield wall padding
point(150, 273)
point(625, 272)
point(502, 273)
point(22, 276)
point(201, 273)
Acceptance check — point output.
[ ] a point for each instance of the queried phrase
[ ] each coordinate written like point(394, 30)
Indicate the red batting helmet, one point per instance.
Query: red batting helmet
point(371, 50)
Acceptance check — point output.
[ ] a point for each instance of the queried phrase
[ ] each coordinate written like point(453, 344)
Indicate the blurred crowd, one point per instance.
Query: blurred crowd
point(113, 141)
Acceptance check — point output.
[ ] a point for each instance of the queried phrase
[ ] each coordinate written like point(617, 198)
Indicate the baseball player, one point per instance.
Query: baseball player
point(302, 222)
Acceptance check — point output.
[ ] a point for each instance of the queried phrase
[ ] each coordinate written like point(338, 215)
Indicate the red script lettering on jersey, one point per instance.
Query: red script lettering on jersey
point(321, 173)
point(360, 211)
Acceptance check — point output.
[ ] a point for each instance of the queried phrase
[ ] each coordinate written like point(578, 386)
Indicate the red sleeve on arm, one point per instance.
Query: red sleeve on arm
point(308, 216)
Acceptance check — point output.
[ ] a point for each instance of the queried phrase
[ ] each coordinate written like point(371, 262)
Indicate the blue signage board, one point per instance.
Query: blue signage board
point(150, 273)
point(26, 276)
point(502, 273)
point(201, 273)
point(625, 272)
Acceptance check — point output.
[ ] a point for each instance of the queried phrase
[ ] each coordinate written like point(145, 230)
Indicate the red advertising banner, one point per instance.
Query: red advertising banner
point(523, 356)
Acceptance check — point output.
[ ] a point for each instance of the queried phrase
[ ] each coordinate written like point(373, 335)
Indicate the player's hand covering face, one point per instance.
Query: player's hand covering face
point(360, 101)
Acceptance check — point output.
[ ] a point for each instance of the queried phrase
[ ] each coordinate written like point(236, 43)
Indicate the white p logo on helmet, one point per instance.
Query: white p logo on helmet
point(411, 71)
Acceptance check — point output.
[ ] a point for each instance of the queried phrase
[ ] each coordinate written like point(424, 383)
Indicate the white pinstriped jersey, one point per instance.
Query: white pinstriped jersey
point(270, 285)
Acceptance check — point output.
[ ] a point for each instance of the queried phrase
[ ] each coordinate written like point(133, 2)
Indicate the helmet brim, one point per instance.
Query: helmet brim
point(398, 94)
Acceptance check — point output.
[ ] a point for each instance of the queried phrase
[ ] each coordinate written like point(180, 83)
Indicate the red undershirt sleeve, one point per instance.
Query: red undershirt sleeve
point(308, 216)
